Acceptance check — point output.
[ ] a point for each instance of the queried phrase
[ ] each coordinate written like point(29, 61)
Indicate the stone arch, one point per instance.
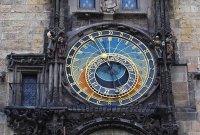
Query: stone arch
point(100, 124)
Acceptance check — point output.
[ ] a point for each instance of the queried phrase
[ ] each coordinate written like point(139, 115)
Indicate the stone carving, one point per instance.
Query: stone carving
point(56, 43)
point(62, 47)
point(157, 47)
point(25, 59)
point(170, 43)
point(51, 38)
point(83, 119)
point(109, 6)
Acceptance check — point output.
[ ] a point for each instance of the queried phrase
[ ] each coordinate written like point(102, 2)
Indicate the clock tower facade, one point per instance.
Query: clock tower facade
point(106, 69)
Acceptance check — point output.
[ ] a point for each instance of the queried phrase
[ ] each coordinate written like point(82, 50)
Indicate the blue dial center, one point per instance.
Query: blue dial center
point(111, 76)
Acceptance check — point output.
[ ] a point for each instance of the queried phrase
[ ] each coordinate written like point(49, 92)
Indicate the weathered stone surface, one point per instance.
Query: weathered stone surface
point(43, 1)
point(186, 27)
point(4, 16)
point(32, 2)
point(3, 65)
point(19, 2)
point(187, 30)
point(181, 99)
point(2, 118)
point(195, 126)
point(8, 36)
point(19, 8)
point(180, 87)
point(193, 133)
point(6, 2)
point(183, 103)
point(186, 116)
point(197, 97)
point(5, 23)
point(187, 127)
point(184, 127)
point(35, 8)
point(179, 74)
point(192, 67)
point(19, 21)
point(5, 8)
point(42, 16)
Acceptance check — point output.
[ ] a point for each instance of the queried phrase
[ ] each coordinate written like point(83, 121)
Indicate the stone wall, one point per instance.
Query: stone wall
point(22, 25)
point(186, 26)
point(185, 21)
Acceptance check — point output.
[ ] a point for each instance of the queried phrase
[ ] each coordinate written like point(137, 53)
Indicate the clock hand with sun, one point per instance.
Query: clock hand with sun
point(105, 57)
point(111, 71)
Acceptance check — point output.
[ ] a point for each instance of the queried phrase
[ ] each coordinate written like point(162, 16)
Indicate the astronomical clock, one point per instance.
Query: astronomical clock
point(110, 67)
point(96, 75)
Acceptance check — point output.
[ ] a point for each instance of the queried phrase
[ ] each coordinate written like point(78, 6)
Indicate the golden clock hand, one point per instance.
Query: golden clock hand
point(105, 57)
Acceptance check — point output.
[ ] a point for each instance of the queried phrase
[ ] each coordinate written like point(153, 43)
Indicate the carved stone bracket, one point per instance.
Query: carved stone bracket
point(169, 129)
point(25, 59)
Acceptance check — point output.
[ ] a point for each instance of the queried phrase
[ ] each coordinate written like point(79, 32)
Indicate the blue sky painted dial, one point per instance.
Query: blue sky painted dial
point(110, 68)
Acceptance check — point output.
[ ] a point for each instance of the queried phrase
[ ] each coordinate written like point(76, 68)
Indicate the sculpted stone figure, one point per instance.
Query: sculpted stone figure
point(170, 41)
point(56, 42)
point(109, 6)
point(157, 47)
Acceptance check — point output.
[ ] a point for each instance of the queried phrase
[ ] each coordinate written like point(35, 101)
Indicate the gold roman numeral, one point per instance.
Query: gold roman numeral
point(100, 33)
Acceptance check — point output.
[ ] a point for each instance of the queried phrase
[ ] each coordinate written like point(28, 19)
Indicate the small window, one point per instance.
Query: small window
point(29, 88)
point(87, 4)
point(129, 4)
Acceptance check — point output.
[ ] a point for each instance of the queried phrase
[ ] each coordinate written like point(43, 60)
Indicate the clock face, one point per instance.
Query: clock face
point(110, 68)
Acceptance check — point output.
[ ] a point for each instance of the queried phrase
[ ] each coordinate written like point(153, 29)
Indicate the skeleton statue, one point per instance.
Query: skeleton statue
point(109, 6)
point(51, 38)
point(157, 48)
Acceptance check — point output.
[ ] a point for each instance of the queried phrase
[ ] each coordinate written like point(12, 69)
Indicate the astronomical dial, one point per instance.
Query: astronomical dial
point(110, 68)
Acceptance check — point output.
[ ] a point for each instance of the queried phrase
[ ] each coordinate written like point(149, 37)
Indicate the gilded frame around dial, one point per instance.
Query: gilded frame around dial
point(102, 45)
